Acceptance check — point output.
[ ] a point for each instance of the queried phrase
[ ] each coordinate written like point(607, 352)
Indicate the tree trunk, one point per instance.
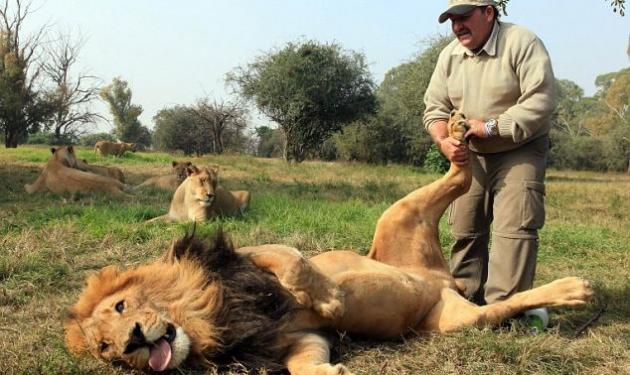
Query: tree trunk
point(11, 139)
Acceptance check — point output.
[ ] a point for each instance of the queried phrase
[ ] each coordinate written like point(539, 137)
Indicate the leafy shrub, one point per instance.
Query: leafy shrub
point(435, 161)
point(44, 138)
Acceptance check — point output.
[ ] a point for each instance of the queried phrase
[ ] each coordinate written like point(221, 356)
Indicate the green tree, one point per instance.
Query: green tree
point(225, 122)
point(401, 98)
point(22, 106)
point(180, 128)
point(572, 108)
point(269, 142)
point(127, 127)
point(310, 89)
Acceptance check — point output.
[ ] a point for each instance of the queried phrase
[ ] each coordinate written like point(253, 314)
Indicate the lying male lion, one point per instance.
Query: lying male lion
point(61, 175)
point(200, 198)
point(208, 304)
point(113, 172)
point(105, 148)
point(169, 182)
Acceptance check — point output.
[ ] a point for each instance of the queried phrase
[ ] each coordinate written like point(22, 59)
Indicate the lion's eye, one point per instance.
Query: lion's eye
point(103, 346)
point(120, 306)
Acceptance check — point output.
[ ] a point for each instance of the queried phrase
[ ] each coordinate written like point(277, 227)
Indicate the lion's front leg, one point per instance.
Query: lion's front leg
point(310, 287)
point(310, 355)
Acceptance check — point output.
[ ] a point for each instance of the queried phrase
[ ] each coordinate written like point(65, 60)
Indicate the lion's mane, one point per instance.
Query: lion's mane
point(250, 306)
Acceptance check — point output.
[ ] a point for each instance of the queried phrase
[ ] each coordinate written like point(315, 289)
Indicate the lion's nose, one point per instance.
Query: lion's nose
point(136, 339)
point(210, 195)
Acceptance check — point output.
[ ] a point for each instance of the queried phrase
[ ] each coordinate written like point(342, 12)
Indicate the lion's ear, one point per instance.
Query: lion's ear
point(53, 150)
point(174, 163)
point(71, 149)
point(192, 170)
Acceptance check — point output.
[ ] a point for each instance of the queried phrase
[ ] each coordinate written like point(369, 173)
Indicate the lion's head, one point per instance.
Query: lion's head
point(133, 147)
point(181, 170)
point(64, 155)
point(201, 184)
point(203, 304)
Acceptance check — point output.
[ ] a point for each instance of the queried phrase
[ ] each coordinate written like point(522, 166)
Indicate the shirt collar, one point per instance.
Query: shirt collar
point(490, 47)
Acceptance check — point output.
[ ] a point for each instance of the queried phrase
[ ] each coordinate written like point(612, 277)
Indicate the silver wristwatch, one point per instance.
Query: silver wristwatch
point(492, 127)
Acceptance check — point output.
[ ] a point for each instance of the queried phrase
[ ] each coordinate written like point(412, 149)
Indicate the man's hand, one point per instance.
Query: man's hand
point(477, 128)
point(455, 151)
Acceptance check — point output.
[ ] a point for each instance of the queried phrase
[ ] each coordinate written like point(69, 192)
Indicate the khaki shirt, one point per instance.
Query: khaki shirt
point(510, 79)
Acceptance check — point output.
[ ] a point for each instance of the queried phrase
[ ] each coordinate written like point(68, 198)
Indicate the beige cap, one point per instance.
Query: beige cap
point(460, 7)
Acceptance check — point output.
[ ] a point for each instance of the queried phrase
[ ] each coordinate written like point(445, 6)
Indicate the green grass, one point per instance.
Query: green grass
point(48, 246)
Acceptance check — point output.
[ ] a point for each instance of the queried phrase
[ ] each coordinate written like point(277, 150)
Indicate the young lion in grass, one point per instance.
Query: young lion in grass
point(61, 175)
point(208, 304)
point(105, 148)
point(169, 182)
point(200, 198)
point(113, 172)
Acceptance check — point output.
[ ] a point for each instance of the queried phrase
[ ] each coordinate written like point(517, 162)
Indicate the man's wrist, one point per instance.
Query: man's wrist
point(491, 127)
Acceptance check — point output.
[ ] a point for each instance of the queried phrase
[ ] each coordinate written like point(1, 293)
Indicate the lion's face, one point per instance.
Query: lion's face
point(201, 184)
point(65, 155)
point(181, 170)
point(130, 146)
point(126, 327)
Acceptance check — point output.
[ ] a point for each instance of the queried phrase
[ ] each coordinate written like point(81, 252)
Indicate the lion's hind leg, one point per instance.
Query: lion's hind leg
point(310, 355)
point(454, 311)
point(310, 287)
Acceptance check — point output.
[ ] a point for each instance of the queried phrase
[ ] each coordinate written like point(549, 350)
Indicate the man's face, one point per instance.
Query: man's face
point(473, 28)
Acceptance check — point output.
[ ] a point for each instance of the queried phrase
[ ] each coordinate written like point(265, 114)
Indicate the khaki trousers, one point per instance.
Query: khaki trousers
point(507, 191)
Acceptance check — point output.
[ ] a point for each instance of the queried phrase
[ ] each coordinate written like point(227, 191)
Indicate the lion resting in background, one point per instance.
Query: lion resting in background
point(61, 175)
point(169, 182)
point(200, 198)
point(113, 172)
point(105, 148)
point(207, 304)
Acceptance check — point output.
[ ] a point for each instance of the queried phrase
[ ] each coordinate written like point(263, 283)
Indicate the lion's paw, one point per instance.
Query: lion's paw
point(570, 291)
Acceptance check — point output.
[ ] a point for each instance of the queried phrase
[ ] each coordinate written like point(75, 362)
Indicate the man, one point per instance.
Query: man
point(500, 76)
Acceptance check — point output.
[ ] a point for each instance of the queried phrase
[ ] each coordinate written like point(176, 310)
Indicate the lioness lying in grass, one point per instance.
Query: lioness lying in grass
point(200, 198)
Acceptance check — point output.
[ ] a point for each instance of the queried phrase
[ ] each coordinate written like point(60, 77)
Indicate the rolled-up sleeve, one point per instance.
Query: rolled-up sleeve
point(537, 102)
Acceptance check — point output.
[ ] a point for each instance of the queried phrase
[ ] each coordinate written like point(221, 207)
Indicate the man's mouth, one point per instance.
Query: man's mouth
point(160, 352)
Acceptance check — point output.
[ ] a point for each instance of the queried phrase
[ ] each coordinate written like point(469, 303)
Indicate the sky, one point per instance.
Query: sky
point(173, 52)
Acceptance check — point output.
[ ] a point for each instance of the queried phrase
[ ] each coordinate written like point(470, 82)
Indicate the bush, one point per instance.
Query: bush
point(44, 138)
point(578, 153)
point(435, 161)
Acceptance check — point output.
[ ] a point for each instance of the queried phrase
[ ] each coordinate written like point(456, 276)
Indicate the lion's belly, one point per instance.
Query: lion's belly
point(381, 301)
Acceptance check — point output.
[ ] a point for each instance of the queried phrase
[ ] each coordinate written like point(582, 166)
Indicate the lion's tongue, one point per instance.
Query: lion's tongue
point(160, 355)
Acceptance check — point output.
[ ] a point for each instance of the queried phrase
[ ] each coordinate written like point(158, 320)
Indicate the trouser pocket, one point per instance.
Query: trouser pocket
point(533, 213)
